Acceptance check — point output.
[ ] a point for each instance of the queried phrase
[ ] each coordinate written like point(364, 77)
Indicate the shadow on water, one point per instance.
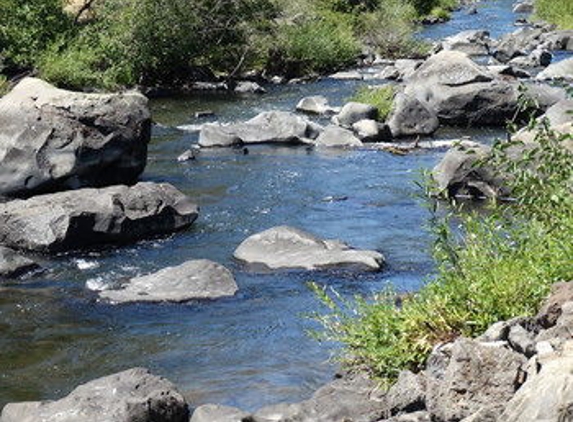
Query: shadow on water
point(250, 350)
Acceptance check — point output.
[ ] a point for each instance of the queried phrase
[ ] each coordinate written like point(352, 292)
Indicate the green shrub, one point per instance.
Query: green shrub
point(492, 267)
point(319, 45)
point(27, 27)
point(440, 13)
point(559, 12)
point(157, 42)
point(380, 97)
point(389, 30)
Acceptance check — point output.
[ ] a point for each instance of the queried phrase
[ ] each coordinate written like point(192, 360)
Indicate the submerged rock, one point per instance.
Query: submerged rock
point(129, 396)
point(285, 247)
point(13, 264)
point(87, 217)
point(218, 413)
point(52, 139)
point(268, 127)
point(198, 279)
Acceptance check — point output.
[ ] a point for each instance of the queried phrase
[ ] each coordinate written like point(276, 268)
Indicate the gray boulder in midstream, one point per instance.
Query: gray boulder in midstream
point(461, 92)
point(134, 395)
point(562, 70)
point(197, 279)
point(52, 139)
point(268, 127)
point(286, 247)
point(87, 217)
point(13, 264)
point(410, 117)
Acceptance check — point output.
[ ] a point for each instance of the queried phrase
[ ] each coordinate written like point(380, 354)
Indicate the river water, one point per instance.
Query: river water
point(250, 350)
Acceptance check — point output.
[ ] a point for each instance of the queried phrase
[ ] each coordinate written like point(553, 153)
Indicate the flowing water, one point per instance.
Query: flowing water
point(250, 350)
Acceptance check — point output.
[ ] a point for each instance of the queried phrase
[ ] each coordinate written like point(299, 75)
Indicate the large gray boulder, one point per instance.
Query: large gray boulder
point(87, 217)
point(562, 70)
point(410, 117)
point(52, 139)
point(477, 376)
point(197, 279)
point(268, 127)
point(13, 264)
point(547, 396)
point(337, 137)
point(461, 92)
point(134, 395)
point(285, 247)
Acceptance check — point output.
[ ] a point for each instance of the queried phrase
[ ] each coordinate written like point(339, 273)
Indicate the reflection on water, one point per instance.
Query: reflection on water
point(250, 350)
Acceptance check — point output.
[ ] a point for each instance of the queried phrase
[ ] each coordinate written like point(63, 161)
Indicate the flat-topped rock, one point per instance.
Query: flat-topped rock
point(134, 395)
point(88, 217)
point(197, 279)
point(275, 127)
point(52, 139)
point(13, 264)
point(286, 247)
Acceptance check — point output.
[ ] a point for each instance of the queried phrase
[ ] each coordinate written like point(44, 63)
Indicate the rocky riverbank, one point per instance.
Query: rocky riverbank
point(517, 371)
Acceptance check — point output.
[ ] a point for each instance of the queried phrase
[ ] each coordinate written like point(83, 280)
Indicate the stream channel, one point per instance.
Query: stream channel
point(250, 350)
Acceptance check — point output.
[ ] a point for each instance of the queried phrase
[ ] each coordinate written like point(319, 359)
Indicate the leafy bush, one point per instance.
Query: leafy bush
point(389, 30)
point(27, 27)
point(380, 97)
point(559, 12)
point(491, 268)
point(315, 46)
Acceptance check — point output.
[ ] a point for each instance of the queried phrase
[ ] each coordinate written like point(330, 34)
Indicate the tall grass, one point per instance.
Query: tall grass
point(380, 97)
point(490, 267)
point(559, 12)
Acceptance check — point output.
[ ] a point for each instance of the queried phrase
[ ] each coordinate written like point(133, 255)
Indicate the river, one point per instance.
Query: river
point(250, 350)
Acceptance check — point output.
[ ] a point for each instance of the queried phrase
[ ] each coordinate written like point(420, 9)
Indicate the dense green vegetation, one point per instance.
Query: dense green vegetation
point(380, 97)
point(491, 266)
point(559, 12)
point(150, 42)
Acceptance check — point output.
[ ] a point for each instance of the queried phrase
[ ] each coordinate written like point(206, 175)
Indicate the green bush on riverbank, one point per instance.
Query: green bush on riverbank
point(150, 42)
point(559, 12)
point(490, 267)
